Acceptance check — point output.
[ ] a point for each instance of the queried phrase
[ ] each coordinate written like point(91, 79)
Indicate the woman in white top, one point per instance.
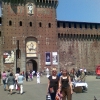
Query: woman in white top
point(38, 77)
point(16, 79)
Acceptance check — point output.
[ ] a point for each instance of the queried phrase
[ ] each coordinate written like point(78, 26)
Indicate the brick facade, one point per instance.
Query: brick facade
point(77, 43)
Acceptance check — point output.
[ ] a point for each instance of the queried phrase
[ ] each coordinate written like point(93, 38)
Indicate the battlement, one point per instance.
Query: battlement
point(41, 3)
point(49, 3)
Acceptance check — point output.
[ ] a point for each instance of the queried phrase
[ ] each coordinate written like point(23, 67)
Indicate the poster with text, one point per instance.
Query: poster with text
point(54, 58)
point(47, 58)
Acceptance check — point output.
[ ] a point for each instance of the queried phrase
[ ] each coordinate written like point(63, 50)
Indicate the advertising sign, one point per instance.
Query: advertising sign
point(47, 58)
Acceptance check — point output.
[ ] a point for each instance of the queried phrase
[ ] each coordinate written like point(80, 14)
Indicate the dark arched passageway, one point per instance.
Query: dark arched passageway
point(31, 65)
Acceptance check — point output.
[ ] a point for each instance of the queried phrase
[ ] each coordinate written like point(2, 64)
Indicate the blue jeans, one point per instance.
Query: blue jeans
point(53, 95)
point(4, 84)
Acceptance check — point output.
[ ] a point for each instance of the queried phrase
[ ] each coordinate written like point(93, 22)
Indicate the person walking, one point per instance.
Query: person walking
point(4, 76)
point(26, 75)
point(53, 81)
point(20, 83)
point(65, 85)
point(31, 76)
point(8, 74)
point(11, 82)
point(16, 79)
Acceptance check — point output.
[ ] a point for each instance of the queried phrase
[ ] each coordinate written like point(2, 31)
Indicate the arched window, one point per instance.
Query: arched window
point(31, 24)
point(10, 23)
point(40, 24)
point(49, 25)
point(20, 23)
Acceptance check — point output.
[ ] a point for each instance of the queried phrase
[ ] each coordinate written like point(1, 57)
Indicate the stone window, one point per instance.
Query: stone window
point(40, 24)
point(49, 25)
point(20, 23)
point(10, 23)
point(30, 24)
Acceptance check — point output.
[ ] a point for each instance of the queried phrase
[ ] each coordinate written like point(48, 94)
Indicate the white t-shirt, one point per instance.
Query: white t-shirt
point(38, 74)
point(16, 76)
point(33, 72)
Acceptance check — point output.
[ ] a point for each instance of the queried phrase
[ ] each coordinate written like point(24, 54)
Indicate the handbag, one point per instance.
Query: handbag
point(58, 95)
point(48, 97)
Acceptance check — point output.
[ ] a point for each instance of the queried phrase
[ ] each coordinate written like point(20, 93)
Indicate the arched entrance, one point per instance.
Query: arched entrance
point(31, 65)
point(18, 70)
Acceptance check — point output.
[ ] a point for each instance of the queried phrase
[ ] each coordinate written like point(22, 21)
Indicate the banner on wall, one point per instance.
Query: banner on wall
point(54, 58)
point(47, 58)
point(8, 57)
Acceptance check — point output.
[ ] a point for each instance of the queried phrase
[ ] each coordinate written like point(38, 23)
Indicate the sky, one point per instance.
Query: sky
point(79, 10)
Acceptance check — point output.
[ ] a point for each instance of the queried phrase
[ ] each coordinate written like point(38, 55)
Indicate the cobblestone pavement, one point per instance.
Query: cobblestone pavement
point(34, 91)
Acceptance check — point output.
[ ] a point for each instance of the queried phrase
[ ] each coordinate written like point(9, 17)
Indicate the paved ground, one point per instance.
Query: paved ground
point(34, 91)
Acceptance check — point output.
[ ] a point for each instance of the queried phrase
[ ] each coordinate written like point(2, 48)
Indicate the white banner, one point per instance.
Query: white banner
point(54, 58)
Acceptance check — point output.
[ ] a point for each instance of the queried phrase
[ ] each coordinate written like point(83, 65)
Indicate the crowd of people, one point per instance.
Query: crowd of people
point(12, 81)
point(60, 85)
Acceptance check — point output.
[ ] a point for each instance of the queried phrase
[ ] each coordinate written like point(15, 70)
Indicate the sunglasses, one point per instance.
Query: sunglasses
point(54, 71)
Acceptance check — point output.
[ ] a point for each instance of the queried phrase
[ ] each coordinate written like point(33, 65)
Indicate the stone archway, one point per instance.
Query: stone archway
point(31, 65)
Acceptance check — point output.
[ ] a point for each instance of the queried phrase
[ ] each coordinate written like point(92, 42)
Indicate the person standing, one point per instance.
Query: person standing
point(4, 76)
point(82, 76)
point(65, 85)
point(20, 83)
point(38, 77)
point(33, 73)
point(53, 82)
point(85, 71)
point(11, 82)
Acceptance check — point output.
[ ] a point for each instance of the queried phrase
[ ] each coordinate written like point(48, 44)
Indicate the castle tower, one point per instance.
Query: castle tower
point(29, 34)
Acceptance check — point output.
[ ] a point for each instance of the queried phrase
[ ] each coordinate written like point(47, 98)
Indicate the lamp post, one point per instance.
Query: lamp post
point(17, 56)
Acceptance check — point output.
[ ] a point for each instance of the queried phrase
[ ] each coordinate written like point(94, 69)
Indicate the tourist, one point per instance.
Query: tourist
point(82, 76)
point(20, 83)
point(53, 82)
point(31, 78)
point(65, 85)
point(38, 77)
point(11, 82)
point(8, 74)
point(16, 79)
point(4, 76)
